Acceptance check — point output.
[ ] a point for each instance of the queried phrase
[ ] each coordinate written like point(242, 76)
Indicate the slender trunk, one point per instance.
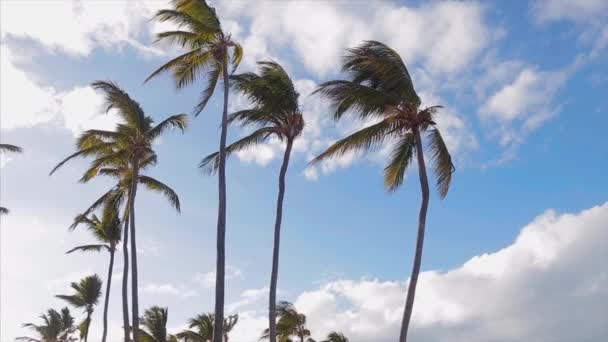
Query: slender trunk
point(88, 323)
point(107, 299)
point(411, 291)
point(125, 277)
point(134, 294)
point(272, 297)
point(218, 326)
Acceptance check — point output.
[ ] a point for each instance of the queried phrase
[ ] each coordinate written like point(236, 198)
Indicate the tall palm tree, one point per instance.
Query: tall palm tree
point(201, 328)
point(125, 151)
point(86, 296)
point(57, 327)
point(290, 323)
point(379, 87)
point(210, 53)
point(155, 324)
point(107, 233)
point(8, 148)
point(275, 112)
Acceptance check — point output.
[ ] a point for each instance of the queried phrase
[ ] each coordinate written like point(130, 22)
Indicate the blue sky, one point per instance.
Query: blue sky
point(523, 85)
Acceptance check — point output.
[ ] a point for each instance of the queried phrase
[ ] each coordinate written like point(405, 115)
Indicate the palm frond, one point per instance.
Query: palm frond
point(356, 99)
point(116, 98)
point(213, 77)
point(89, 248)
point(179, 121)
point(401, 158)
point(10, 148)
point(443, 166)
point(237, 56)
point(155, 185)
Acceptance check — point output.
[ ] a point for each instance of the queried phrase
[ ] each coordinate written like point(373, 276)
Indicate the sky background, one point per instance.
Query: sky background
point(515, 252)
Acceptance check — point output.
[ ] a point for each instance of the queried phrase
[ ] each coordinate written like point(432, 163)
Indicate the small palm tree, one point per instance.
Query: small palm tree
point(210, 53)
point(201, 328)
point(57, 327)
point(275, 113)
point(380, 87)
point(107, 232)
point(8, 148)
point(336, 337)
point(290, 323)
point(125, 152)
point(86, 296)
point(155, 324)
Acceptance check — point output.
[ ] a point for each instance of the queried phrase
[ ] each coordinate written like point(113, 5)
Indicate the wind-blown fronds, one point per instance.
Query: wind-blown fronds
point(401, 157)
point(336, 337)
point(201, 328)
point(57, 327)
point(443, 166)
point(155, 185)
point(10, 148)
point(86, 293)
point(154, 322)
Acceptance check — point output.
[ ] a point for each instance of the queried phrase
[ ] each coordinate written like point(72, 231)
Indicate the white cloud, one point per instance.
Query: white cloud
point(168, 289)
point(550, 284)
point(577, 10)
point(207, 280)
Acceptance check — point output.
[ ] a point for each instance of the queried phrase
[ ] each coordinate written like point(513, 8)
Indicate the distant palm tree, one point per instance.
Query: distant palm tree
point(275, 113)
point(290, 323)
point(107, 232)
point(336, 337)
point(201, 328)
point(57, 327)
point(86, 297)
point(210, 52)
point(8, 148)
point(380, 87)
point(126, 151)
point(155, 324)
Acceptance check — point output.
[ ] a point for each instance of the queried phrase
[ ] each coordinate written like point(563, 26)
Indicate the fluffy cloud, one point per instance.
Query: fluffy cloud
point(207, 280)
point(550, 284)
point(168, 289)
point(577, 10)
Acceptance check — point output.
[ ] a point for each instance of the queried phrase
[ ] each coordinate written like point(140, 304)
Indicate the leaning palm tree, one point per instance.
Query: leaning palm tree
point(57, 327)
point(275, 113)
point(126, 149)
point(211, 51)
point(201, 328)
point(107, 233)
point(155, 324)
point(86, 296)
point(8, 148)
point(290, 323)
point(379, 87)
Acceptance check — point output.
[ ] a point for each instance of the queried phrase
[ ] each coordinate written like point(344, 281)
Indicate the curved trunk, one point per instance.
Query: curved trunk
point(125, 277)
point(411, 291)
point(134, 294)
point(218, 324)
point(88, 324)
point(272, 297)
point(107, 299)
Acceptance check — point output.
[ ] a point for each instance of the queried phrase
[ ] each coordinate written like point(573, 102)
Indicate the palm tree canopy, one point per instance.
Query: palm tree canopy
point(155, 323)
point(201, 328)
point(290, 323)
point(379, 88)
point(106, 230)
point(10, 148)
point(86, 293)
point(56, 327)
point(336, 337)
point(199, 31)
point(274, 112)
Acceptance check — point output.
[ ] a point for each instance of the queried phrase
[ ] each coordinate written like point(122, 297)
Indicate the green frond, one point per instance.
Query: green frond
point(201, 11)
point(89, 248)
point(356, 99)
point(213, 77)
point(86, 293)
point(237, 56)
point(10, 148)
point(157, 186)
point(86, 152)
point(172, 64)
point(179, 121)
point(116, 98)
point(179, 38)
point(401, 158)
point(363, 140)
point(442, 161)
point(155, 323)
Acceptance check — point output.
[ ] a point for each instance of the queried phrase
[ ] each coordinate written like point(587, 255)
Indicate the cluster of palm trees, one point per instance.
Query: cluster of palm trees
point(377, 87)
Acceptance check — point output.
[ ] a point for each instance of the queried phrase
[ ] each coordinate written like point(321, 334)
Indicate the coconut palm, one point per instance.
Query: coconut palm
point(201, 328)
point(107, 233)
point(290, 323)
point(379, 87)
point(155, 323)
point(210, 52)
point(274, 113)
point(125, 151)
point(8, 148)
point(335, 336)
point(86, 295)
point(57, 327)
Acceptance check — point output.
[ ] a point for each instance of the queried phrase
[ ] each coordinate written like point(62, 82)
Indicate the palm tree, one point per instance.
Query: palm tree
point(380, 87)
point(86, 296)
point(107, 232)
point(8, 148)
point(125, 152)
point(155, 322)
point(275, 112)
point(290, 323)
point(210, 51)
point(336, 337)
point(57, 327)
point(201, 328)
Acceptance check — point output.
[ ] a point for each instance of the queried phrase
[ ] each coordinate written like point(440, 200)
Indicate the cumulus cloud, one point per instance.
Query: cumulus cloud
point(577, 10)
point(207, 280)
point(550, 284)
point(168, 289)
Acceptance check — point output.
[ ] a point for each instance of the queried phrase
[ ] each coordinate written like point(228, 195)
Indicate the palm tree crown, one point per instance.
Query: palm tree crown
point(290, 323)
point(201, 328)
point(105, 230)
point(155, 324)
point(57, 327)
point(86, 297)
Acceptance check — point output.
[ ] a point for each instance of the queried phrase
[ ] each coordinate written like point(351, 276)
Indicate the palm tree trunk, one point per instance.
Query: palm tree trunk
point(88, 323)
point(107, 299)
point(411, 291)
point(218, 325)
point(272, 297)
point(125, 277)
point(134, 283)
